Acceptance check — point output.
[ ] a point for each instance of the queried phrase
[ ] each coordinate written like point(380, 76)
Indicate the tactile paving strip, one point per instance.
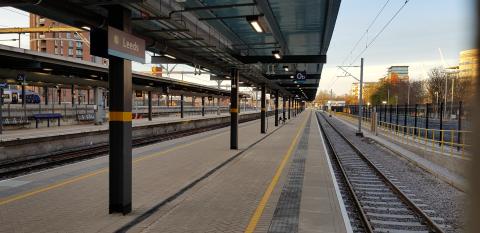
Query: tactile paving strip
point(286, 216)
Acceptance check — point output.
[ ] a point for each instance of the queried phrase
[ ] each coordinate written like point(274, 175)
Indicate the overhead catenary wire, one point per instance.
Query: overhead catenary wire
point(369, 44)
point(366, 31)
point(349, 54)
point(381, 31)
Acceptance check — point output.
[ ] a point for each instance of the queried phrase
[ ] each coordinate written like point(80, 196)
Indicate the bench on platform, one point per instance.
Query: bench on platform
point(47, 116)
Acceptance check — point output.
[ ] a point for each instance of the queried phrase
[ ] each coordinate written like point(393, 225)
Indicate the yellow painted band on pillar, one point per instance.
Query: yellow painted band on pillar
point(121, 116)
point(234, 110)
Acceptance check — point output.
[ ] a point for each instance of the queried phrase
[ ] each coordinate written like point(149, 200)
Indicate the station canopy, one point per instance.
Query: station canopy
point(279, 43)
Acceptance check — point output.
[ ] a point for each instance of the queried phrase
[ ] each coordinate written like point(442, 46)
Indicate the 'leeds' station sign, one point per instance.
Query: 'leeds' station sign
point(114, 42)
point(124, 45)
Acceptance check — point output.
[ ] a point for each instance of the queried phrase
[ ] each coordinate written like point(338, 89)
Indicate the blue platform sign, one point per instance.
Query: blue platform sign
point(3, 85)
point(301, 76)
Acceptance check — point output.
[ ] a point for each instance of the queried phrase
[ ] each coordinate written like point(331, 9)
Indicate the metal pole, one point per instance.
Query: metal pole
point(405, 118)
point(460, 113)
point(1, 110)
point(441, 120)
point(276, 108)
point(416, 113)
point(203, 105)
point(263, 110)
point(283, 109)
point(426, 115)
point(234, 109)
point(150, 105)
point(181, 105)
point(120, 135)
point(360, 101)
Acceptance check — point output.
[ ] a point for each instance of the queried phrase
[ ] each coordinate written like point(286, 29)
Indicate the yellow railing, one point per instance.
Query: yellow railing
point(429, 139)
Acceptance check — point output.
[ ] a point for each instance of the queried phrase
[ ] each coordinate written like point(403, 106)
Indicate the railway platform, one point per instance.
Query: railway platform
point(31, 133)
point(275, 182)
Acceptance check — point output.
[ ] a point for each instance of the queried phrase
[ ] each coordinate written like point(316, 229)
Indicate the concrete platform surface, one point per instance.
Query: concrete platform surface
point(247, 194)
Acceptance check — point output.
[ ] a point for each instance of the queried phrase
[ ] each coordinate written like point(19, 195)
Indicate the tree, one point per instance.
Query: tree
point(435, 85)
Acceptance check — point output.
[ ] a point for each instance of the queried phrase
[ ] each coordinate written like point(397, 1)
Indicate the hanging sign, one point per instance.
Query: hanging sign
point(125, 45)
point(301, 77)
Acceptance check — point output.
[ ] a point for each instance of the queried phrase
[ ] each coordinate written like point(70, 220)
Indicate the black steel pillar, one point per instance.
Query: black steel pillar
point(276, 108)
point(416, 119)
point(24, 100)
point(427, 113)
point(120, 158)
point(405, 115)
point(46, 94)
point(181, 105)
point(1, 110)
point(263, 110)
point(59, 92)
point(234, 110)
point(203, 105)
point(72, 92)
point(284, 105)
point(167, 101)
point(149, 105)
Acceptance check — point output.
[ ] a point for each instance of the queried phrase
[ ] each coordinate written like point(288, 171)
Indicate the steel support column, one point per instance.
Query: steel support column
point(45, 89)
point(263, 112)
point(203, 105)
point(283, 109)
point(181, 105)
point(120, 158)
point(24, 100)
point(150, 105)
point(276, 108)
point(234, 110)
point(72, 93)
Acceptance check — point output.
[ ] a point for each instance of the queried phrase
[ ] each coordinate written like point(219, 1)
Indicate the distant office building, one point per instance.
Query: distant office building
point(468, 63)
point(68, 44)
point(397, 73)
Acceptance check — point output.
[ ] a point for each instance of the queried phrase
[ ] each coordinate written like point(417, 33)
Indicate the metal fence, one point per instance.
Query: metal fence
point(425, 123)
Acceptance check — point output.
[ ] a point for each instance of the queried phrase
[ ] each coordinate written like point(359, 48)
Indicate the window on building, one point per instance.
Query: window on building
point(69, 36)
point(70, 52)
point(70, 44)
point(79, 52)
point(61, 43)
point(56, 50)
point(79, 44)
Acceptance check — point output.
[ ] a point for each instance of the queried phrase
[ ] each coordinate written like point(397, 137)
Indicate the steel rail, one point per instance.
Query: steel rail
point(393, 187)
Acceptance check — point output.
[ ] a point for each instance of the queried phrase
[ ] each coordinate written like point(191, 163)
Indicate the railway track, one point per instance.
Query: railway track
point(381, 203)
point(15, 168)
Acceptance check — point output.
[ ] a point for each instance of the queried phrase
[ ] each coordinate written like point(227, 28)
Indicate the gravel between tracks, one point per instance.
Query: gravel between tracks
point(448, 202)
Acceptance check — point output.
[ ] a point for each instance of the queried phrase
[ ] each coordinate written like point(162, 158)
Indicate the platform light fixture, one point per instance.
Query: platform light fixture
point(169, 56)
point(285, 68)
point(47, 69)
point(276, 54)
point(255, 23)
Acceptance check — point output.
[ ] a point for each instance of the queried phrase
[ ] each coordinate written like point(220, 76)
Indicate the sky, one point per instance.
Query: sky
point(415, 38)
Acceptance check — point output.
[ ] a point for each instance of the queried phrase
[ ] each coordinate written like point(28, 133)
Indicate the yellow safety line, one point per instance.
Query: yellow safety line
point(268, 192)
point(94, 173)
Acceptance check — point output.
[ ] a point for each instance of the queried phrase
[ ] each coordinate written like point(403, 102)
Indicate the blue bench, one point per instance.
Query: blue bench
point(47, 116)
